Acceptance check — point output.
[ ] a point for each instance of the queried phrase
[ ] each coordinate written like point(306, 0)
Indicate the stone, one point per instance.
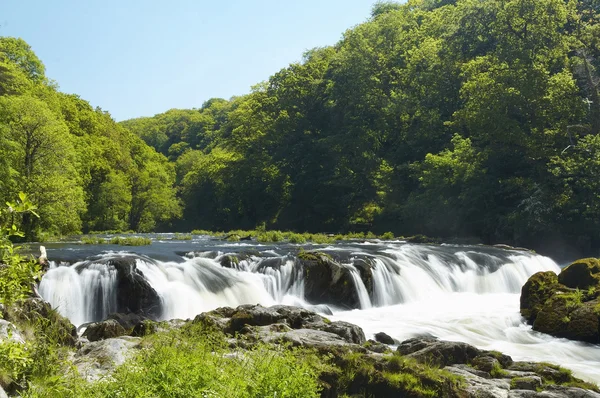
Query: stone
point(104, 330)
point(535, 292)
point(384, 338)
point(9, 332)
point(95, 360)
point(441, 353)
point(526, 383)
point(581, 274)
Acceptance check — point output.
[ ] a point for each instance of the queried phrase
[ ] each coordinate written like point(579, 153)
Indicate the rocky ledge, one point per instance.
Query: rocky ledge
point(565, 305)
point(418, 367)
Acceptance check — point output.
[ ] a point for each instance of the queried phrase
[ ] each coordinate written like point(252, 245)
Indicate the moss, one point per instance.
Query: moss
point(536, 291)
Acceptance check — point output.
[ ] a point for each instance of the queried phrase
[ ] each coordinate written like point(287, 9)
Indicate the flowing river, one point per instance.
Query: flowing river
point(461, 293)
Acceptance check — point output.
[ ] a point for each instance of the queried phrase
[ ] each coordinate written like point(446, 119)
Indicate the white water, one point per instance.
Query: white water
point(464, 294)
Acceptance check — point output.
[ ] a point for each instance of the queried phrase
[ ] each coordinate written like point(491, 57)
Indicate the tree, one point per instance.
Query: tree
point(41, 160)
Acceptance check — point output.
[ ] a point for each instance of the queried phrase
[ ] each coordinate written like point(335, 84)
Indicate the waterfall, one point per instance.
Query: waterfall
point(87, 290)
point(464, 293)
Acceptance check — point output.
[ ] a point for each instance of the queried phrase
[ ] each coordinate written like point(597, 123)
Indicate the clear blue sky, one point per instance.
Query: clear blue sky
point(142, 57)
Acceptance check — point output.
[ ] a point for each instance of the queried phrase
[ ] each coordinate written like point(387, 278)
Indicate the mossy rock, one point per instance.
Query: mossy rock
point(535, 292)
point(581, 274)
point(584, 323)
point(553, 318)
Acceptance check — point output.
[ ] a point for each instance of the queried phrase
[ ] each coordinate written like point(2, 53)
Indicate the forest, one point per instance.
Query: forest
point(469, 119)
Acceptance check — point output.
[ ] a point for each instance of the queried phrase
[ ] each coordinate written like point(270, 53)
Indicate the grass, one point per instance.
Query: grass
point(196, 362)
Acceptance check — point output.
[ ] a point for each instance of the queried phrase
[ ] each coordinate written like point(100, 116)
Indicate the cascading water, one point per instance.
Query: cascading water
point(455, 293)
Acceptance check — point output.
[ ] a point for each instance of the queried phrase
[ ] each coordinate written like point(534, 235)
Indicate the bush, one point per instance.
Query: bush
point(131, 241)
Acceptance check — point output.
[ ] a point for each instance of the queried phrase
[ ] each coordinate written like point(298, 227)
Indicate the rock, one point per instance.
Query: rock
point(128, 321)
point(437, 352)
point(384, 338)
point(307, 338)
point(581, 274)
point(97, 359)
point(144, 328)
point(294, 317)
point(526, 383)
point(134, 293)
point(327, 281)
point(535, 292)
point(8, 331)
point(376, 346)
point(486, 363)
point(229, 261)
point(36, 310)
point(252, 315)
point(348, 331)
point(584, 323)
point(481, 387)
point(104, 330)
point(3, 393)
point(567, 305)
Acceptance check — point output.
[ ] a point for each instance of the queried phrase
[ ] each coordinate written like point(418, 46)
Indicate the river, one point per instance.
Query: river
point(461, 293)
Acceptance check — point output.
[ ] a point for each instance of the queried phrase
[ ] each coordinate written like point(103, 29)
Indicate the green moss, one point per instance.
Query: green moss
point(497, 371)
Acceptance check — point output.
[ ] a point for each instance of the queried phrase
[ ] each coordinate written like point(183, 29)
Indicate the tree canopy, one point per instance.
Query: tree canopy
point(462, 118)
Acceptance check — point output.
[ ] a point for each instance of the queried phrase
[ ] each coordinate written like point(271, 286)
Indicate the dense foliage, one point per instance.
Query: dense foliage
point(452, 118)
point(463, 118)
point(77, 166)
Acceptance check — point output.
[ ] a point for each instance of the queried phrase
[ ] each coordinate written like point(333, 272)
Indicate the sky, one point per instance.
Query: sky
point(138, 58)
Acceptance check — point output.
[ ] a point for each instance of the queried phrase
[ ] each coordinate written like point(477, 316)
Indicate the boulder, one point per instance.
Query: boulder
point(567, 305)
point(535, 292)
point(128, 321)
point(384, 338)
point(96, 360)
point(327, 281)
point(104, 330)
point(134, 293)
point(581, 274)
point(438, 352)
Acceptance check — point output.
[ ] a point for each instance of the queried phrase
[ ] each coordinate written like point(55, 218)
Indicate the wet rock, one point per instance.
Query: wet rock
point(384, 338)
point(229, 261)
point(327, 281)
point(104, 330)
point(134, 293)
point(97, 359)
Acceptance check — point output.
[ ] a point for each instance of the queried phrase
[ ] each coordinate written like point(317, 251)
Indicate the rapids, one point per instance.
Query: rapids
point(463, 293)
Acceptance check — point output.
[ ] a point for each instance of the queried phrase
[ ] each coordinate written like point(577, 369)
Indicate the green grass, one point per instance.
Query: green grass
point(197, 362)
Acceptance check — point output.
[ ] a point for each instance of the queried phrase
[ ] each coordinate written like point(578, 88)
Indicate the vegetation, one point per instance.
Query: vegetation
point(80, 169)
point(451, 118)
point(117, 240)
